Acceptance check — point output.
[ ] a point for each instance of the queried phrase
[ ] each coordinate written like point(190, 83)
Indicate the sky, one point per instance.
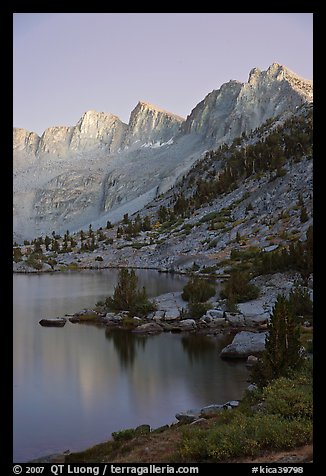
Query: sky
point(67, 63)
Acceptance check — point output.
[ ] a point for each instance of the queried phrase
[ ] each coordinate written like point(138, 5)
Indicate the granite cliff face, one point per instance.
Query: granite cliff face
point(236, 107)
point(151, 126)
point(25, 145)
point(96, 130)
point(101, 168)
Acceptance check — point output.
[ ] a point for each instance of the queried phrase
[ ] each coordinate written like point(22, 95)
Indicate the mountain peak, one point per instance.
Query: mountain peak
point(92, 115)
point(241, 107)
point(152, 107)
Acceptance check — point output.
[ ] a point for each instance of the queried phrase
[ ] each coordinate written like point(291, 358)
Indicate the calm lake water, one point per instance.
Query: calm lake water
point(74, 386)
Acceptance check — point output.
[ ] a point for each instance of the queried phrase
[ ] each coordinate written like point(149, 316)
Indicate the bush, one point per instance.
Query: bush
point(17, 254)
point(124, 435)
point(127, 296)
point(34, 261)
point(198, 290)
point(284, 397)
point(238, 288)
point(301, 303)
point(198, 309)
point(243, 436)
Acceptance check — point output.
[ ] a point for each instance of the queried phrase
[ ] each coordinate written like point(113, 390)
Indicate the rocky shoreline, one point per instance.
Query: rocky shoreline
point(196, 416)
point(171, 316)
point(246, 329)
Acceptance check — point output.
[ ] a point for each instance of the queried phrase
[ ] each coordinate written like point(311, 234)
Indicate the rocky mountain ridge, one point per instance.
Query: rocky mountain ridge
point(129, 165)
point(98, 132)
point(223, 205)
point(238, 108)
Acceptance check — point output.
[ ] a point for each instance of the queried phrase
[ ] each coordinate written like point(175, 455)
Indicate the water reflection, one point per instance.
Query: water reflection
point(126, 344)
point(73, 386)
point(198, 347)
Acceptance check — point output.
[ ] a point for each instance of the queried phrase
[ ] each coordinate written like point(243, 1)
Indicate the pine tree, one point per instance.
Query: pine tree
point(127, 296)
point(47, 242)
point(282, 352)
point(304, 215)
point(162, 214)
point(146, 225)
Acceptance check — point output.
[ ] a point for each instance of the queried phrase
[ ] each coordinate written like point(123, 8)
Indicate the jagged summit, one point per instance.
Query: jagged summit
point(101, 168)
point(241, 107)
point(150, 124)
point(148, 105)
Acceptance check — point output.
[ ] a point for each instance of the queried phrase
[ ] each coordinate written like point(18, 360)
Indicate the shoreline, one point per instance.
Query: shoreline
point(153, 268)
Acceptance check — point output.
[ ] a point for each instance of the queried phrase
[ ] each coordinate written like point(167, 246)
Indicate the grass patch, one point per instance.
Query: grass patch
point(124, 435)
point(243, 436)
point(244, 255)
point(94, 454)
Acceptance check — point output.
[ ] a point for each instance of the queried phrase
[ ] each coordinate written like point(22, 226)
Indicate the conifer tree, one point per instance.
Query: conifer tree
point(304, 215)
point(282, 352)
point(127, 296)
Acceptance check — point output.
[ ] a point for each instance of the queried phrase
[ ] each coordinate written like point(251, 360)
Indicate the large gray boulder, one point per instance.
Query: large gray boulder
point(172, 314)
point(215, 313)
point(255, 312)
point(150, 328)
point(187, 324)
point(169, 306)
point(244, 344)
point(188, 416)
point(235, 319)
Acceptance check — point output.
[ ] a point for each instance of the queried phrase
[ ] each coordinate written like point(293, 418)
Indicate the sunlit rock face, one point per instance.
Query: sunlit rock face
point(150, 125)
point(101, 168)
point(55, 142)
point(241, 107)
point(96, 130)
point(25, 145)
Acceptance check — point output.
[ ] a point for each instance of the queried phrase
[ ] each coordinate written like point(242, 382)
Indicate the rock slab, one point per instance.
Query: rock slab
point(244, 344)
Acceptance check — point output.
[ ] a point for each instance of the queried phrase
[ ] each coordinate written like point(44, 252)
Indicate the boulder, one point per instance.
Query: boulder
point(252, 387)
point(172, 314)
point(189, 416)
point(158, 315)
point(235, 319)
point(254, 312)
point(232, 403)
point(111, 317)
point(244, 344)
point(169, 300)
point(187, 324)
point(170, 305)
point(57, 322)
point(251, 360)
point(149, 328)
point(215, 314)
point(211, 410)
point(216, 322)
point(252, 308)
point(257, 320)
